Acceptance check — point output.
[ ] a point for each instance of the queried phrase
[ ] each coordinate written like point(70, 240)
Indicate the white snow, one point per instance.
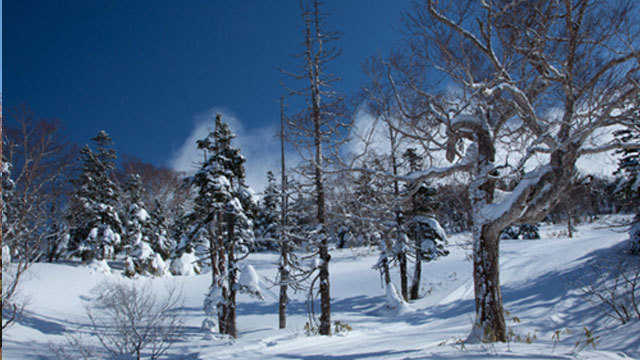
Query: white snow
point(143, 215)
point(186, 265)
point(535, 288)
point(249, 281)
point(99, 267)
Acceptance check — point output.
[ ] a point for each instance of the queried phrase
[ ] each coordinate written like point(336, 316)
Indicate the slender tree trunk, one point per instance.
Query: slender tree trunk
point(385, 270)
point(213, 258)
point(570, 223)
point(402, 255)
point(284, 251)
point(490, 323)
point(231, 302)
point(222, 306)
point(402, 261)
point(284, 277)
point(417, 273)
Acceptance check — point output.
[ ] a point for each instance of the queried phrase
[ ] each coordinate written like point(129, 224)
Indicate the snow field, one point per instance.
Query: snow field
point(535, 276)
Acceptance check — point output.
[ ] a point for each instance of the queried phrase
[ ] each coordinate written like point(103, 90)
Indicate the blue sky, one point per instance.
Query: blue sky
point(149, 72)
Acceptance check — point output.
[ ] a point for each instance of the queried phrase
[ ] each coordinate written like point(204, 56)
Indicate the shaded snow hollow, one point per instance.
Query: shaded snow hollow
point(535, 288)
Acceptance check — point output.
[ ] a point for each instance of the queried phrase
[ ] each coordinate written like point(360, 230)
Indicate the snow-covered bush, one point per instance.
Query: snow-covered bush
point(186, 265)
point(249, 282)
point(132, 319)
point(522, 231)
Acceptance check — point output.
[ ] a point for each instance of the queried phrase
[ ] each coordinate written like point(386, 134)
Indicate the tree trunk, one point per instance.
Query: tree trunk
point(415, 286)
point(570, 224)
point(385, 271)
point(489, 324)
point(284, 251)
point(325, 299)
point(284, 278)
point(402, 260)
point(213, 258)
point(222, 306)
point(231, 302)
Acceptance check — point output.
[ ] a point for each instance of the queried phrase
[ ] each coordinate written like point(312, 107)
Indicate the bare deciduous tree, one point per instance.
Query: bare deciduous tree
point(34, 158)
point(543, 78)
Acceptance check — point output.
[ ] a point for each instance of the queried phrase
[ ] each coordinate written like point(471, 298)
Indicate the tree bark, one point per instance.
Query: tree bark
point(402, 260)
point(490, 324)
point(231, 302)
point(385, 271)
point(415, 286)
point(325, 299)
point(282, 301)
point(222, 306)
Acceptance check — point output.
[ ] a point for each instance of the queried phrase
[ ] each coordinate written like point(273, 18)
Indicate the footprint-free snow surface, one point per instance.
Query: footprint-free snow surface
point(538, 286)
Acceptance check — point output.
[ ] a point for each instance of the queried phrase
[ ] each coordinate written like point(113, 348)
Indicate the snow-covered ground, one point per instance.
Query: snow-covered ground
point(535, 274)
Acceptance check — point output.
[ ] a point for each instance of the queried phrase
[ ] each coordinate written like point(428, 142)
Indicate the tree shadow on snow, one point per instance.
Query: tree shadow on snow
point(41, 324)
point(368, 355)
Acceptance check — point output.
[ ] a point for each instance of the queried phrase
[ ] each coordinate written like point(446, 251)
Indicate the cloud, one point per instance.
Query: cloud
point(259, 145)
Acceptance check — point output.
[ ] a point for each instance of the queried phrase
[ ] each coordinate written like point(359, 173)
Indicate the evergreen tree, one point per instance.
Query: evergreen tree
point(223, 208)
point(141, 258)
point(96, 227)
point(162, 242)
point(268, 218)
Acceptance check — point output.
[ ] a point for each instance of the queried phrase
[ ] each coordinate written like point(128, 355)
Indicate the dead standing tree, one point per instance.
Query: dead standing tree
point(543, 79)
point(316, 134)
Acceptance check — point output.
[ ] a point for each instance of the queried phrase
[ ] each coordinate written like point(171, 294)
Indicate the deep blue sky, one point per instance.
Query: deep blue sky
point(143, 70)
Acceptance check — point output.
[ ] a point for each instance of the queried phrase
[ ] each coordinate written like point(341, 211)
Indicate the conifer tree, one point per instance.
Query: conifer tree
point(162, 242)
point(139, 235)
point(96, 228)
point(268, 216)
point(222, 213)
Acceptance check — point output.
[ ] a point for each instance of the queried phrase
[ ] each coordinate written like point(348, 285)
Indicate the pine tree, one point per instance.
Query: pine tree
point(96, 227)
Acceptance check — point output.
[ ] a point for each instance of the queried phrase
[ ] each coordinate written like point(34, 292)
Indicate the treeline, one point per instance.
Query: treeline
point(61, 202)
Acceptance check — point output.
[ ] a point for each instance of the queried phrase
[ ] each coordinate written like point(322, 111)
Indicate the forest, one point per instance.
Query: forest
point(475, 129)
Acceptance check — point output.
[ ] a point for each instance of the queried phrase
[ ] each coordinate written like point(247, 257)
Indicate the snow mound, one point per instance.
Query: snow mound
point(185, 265)
point(99, 267)
point(396, 303)
point(250, 282)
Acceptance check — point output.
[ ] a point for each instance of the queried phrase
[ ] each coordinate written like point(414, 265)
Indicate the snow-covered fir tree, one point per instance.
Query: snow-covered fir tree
point(95, 226)
point(268, 219)
point(140, 233)
point(220, 222)
point(162, 242)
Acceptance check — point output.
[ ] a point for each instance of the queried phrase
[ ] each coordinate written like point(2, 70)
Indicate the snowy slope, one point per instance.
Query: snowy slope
point(535, 277)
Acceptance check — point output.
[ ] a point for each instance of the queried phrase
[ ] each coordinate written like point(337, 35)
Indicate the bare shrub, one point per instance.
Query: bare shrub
point(613, 285)
point(75, 348)
point(129, 317)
